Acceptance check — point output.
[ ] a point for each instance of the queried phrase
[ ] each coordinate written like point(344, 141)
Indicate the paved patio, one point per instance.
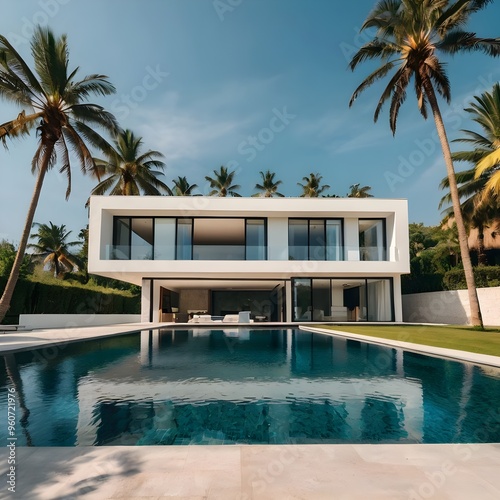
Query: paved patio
point(399, 471)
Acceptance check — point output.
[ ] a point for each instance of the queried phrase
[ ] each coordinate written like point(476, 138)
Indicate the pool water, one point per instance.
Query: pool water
point(180, 387)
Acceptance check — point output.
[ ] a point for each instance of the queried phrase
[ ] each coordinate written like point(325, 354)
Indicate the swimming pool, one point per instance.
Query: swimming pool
point(198, 386)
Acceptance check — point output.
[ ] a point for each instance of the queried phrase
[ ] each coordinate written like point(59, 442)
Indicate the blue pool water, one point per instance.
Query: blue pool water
point(244, 386)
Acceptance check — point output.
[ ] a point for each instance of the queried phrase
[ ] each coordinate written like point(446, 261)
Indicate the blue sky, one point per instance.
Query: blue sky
point(250, 84)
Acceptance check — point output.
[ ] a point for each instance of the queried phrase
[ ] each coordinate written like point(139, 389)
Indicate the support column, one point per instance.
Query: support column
point(289, 301)
point(398, 303)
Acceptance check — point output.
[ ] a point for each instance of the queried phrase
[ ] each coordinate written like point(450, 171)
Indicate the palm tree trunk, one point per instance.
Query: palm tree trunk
point(14, 273)
point(475, 310)
point(482, 260)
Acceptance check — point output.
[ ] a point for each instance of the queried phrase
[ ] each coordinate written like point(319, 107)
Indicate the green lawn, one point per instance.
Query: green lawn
point(461, 338)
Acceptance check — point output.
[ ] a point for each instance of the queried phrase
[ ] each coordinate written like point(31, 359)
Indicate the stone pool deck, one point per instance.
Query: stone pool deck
point(336, 471)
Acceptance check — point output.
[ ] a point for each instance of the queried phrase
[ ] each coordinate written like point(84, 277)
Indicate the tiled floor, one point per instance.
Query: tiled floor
point(367, 472)
point(259, 472)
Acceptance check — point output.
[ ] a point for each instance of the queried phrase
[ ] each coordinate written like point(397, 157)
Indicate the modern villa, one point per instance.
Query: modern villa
point(280, 259)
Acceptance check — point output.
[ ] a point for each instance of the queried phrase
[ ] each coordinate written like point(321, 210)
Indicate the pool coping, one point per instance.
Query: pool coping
point(438, 352)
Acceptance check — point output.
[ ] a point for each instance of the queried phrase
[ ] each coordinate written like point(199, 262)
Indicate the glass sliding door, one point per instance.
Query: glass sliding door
point(321, 300)
point(298, 239)
point(317, 240)
point(255, 239)
point(141, 242)
point(302, 297)
point(121, 238)
point(372, 245)
point(379, 296)
point(184, 239)
point(334, 245)
point(164, 244)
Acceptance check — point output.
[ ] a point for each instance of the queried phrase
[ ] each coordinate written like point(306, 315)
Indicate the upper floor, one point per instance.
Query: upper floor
point(243, 230)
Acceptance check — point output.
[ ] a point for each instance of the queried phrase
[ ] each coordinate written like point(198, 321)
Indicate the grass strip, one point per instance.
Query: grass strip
point(449, 337)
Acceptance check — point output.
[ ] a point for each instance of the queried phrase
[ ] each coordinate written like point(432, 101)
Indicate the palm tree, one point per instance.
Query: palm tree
point(487, 114)
point(53, 247)
point(479, 212)
point(480, 205)
point(311, 187)
point(357, 192)
point(126, 170)
point(55, 103)
point(409, 35)
point(269, 187)
point(222, 183)
point(182, 187)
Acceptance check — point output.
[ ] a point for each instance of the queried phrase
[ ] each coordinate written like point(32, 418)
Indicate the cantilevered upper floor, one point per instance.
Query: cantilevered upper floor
point(132, 237)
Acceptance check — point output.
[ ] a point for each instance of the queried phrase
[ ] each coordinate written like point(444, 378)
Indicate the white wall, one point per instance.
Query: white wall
point(451, 307)
point(35, 321)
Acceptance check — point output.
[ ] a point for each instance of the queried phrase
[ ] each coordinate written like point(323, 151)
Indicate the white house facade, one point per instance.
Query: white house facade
point(282, 259)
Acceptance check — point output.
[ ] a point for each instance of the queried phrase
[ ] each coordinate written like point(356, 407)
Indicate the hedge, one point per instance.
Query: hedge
point(486, 276)
point(41, 298)
point(419, 283)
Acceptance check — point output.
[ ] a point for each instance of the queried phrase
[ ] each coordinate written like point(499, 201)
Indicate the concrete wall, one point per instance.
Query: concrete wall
point(451, 307)
point(75, 320)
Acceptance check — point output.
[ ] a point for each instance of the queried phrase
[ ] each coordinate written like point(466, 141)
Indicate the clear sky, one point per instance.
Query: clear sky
point(249, 84)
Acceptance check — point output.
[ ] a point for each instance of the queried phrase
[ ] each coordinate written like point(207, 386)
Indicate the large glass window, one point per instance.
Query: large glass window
point(141, 243)
point(315, 239)
point(121, 238)
point(342, 299)
point(379, 300)
point(298, 239)
point(164, 245)
point(184, 239)
point(334, 245)
point(170, 238)
point(219, 239)
point(302, 300)
point(256, 239)
point(372, 244)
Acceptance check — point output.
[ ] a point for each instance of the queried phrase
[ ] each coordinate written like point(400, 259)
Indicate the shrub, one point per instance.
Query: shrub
point(419, 283)
point(486, 276)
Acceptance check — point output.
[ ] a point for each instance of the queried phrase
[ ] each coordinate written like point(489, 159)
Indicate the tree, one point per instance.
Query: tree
point(486, 113)
point(7, 258)
point(480, 205)
point(126, 171)
point(269, 186)
point(312, 186)
point(55, 103)
point(182, 187)
point(357, 192)
point(53, 247)
point(222, 183)
point(409, 35)
point(479, 212)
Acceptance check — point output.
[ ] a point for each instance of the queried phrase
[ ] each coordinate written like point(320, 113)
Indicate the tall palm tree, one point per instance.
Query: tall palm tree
point(409, 36)
point(54, 102)
point(52, 246)
point(359, 192)
point(312, 186)
point(269, 186)
point(222, 183)
point(182, 187)
point(480, 205)
point(486, 112)
point(126, 171)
